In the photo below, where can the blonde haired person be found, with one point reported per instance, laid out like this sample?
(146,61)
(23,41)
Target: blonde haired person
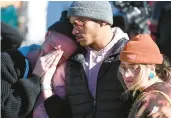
(144,71)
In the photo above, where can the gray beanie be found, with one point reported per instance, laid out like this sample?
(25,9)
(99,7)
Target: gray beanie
(97,10)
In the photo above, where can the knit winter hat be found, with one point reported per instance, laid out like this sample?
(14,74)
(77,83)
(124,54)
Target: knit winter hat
(141,49)
(63,26)
(97,10)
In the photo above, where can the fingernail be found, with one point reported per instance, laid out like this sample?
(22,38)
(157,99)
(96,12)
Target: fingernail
(60,51)
(59,46)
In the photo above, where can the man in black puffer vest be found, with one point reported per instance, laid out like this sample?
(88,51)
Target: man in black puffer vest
(90,83)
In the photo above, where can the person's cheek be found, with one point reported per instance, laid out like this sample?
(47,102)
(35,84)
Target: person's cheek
(137,73)
(47,49)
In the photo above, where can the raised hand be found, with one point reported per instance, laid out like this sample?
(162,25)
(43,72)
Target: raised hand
(47,76)
(50,60)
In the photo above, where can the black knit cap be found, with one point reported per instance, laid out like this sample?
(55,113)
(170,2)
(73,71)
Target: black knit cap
(63,26)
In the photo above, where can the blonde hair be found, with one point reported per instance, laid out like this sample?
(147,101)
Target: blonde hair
(163,71)
(141,75)
(139,79)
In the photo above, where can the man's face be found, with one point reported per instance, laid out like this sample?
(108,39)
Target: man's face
(53,39)
(86,30)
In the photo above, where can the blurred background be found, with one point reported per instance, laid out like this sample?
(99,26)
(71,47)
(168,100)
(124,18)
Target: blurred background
(32,18)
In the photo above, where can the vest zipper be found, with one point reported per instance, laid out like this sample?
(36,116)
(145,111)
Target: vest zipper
(93,109)
(97,84)
(94,103)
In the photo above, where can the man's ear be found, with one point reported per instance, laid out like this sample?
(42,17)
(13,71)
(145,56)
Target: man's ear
(102,23)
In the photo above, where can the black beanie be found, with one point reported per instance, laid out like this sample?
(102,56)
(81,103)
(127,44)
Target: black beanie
(63,26)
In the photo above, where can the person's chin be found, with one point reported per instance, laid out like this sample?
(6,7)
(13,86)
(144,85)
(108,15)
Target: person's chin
(82,43)
(78,39)
(129,85)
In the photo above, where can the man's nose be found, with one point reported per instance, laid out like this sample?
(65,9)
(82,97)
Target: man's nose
(75,31)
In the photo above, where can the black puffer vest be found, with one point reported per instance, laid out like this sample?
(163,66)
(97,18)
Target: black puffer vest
(108,93)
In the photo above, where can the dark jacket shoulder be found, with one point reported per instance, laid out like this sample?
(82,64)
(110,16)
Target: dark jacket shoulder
(18,95)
